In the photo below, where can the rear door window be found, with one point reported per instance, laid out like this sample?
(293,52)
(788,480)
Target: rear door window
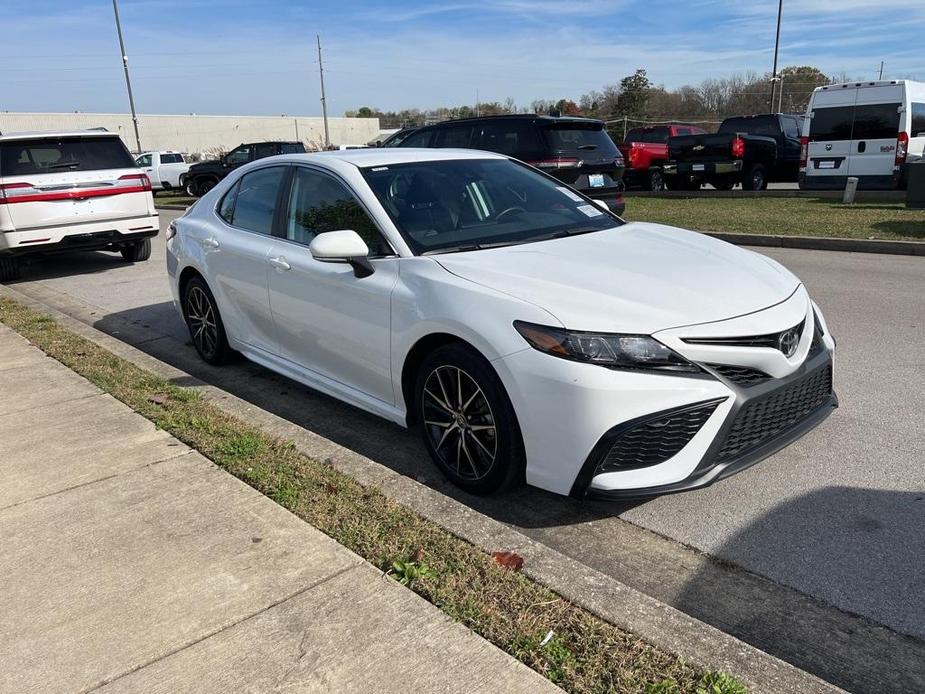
(255,202)
(421,138)
(454,136)
(876,121)
(265,149)
(518,139)
(292,148)
(831,124)
(58,155)
(791,127)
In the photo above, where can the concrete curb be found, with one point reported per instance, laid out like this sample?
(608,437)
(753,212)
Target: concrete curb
(822,243)
(647,618)
(860,196)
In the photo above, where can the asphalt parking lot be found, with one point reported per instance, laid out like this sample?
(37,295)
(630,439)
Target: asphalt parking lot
(836,522)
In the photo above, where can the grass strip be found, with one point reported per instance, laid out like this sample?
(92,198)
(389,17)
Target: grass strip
(570,646)
(173,198)
(783,216)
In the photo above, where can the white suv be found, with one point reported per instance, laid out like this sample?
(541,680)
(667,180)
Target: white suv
(65,191)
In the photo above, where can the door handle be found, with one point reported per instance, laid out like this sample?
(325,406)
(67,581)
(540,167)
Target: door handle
(209,243)
(279,263)
(862,147)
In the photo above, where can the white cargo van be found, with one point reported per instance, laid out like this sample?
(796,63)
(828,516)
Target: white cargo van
(66,191)
(866,129)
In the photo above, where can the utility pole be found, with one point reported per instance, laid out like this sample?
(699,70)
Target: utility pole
(128,81)
(780,11)
(881,71)
(324,104)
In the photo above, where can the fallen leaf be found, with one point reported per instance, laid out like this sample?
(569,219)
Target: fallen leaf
(508,560)
(159,399)
(418,554)
(330,488)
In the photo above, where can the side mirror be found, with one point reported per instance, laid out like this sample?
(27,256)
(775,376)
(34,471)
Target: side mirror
(602,204)
(344,246)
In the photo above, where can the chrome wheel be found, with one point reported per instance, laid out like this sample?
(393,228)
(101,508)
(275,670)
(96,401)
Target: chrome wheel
(200,316)
(459,422)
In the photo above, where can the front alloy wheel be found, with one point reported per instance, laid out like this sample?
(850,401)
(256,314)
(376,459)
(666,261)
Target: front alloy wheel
(468,422)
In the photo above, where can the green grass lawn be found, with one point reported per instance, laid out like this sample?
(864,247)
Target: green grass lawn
(173,197)
(783,216)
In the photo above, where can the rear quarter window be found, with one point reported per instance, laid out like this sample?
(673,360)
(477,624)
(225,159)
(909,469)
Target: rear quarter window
(516,139)
(57,155)
(171,159)
(917,129)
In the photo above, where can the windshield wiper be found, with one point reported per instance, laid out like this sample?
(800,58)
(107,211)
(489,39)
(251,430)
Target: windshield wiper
(463,247)
(64,165)
(587,147)
(574,231)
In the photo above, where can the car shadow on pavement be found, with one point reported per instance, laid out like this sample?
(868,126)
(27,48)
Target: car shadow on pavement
(157,330)
(861,549)
(42,267)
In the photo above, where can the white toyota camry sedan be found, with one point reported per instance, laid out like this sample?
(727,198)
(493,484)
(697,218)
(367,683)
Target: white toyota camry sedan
(526,332)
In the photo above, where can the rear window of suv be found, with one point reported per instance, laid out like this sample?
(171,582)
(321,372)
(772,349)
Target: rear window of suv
(55,155)
(580,139)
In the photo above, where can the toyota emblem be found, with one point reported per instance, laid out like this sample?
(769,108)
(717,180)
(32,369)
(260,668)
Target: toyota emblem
(788,342)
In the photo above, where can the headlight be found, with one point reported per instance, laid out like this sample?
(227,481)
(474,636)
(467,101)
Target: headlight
(611,350)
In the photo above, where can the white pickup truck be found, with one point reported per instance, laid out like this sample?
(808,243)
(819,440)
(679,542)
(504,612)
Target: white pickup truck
(163,168)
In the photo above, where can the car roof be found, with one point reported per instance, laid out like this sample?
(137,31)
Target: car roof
(518,116)
(34,134)
(389,156)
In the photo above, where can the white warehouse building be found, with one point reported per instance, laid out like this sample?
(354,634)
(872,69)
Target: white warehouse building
(201,134)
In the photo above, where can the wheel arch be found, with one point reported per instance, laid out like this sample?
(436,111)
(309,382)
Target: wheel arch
(413,359)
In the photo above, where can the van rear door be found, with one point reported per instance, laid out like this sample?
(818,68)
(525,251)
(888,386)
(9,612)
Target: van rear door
(65,180)
(831,117)
(876,125)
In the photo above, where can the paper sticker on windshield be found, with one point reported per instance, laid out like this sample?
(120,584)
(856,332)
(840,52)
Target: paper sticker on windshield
(574,196)
(590,210)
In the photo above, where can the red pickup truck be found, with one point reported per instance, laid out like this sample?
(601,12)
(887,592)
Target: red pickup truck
(646,150)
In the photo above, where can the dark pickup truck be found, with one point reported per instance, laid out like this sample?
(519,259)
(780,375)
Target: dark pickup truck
(202,177)
(751,150)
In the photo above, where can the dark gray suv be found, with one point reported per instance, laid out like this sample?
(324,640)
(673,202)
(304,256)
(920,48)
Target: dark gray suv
(577,151)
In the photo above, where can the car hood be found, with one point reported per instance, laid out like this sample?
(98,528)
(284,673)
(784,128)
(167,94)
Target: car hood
(636,278)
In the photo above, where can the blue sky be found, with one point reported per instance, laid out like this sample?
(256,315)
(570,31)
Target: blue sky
(257,56)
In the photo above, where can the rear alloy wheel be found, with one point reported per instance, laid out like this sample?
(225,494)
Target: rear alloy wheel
(656,180)
(468,422)
(9,269)
(137,252)
(757,178)
(204,323)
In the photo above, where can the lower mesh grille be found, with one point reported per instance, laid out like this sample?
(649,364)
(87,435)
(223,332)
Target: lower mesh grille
(656,440)
(764,418)
(740,375)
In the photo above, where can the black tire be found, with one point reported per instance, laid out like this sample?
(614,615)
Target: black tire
(137,252)
(9,269)
(656,180)
(469,425)
(206,185)
(756,178)
(192,188)
(205,323)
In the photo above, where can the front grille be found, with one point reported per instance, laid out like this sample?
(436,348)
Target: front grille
(740,375)
(764,418)
(657,439)
(771,340)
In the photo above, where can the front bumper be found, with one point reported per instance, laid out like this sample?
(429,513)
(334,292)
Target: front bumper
(571,414)
(718,463)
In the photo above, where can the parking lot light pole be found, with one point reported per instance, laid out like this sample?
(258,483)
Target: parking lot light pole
(324,104)
(128,81)
(780,10)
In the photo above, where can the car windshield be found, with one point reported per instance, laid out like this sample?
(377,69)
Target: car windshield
(469,204)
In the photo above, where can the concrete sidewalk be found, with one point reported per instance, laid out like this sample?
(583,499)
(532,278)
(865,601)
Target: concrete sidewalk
(130,563)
